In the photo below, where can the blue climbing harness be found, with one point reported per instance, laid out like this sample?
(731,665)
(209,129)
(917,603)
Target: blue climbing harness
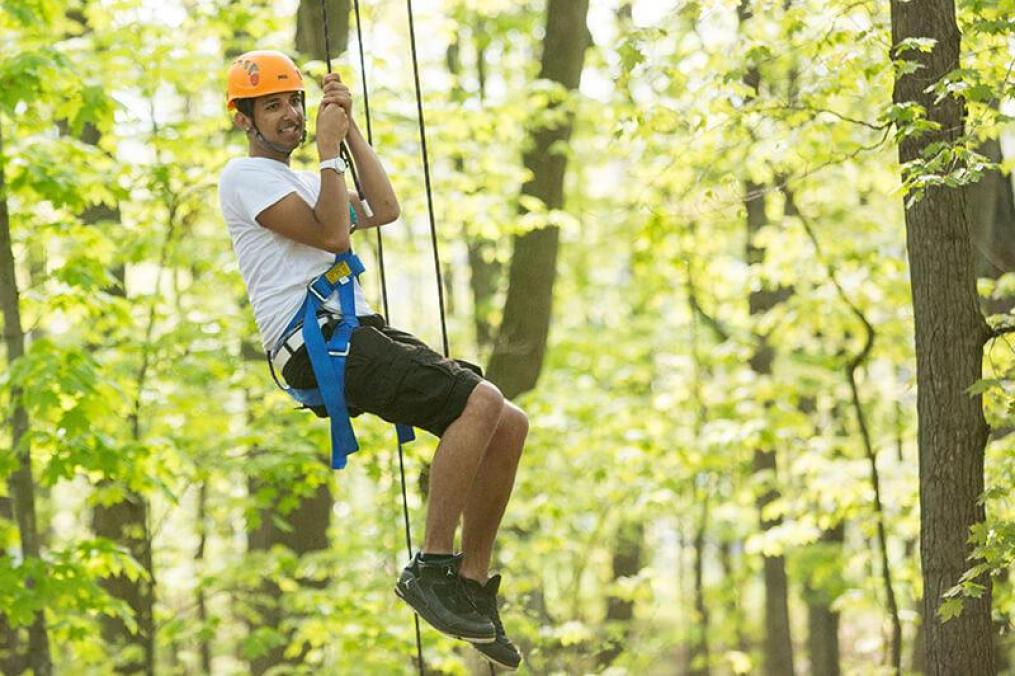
(327,358)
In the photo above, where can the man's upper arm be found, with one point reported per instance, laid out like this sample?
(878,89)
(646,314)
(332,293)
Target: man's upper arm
(292,217)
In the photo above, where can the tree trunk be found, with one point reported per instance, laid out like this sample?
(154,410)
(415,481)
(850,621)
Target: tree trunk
(518,352)
(778,643)
(202,606)
(699,657)
(822,621)
(620,611)
(12,657)
(990,209)
(126,523)
(484,268)
(308,533)
(310,28)
(21,484)
(729,592)
(950,333)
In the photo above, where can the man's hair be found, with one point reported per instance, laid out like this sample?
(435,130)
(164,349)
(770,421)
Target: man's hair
(245,106)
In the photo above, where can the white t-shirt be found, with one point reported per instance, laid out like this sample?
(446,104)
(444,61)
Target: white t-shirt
(276,269)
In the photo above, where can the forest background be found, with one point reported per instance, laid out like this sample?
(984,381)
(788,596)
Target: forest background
(732,465)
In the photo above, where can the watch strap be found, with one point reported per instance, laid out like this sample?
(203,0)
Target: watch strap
(336,163)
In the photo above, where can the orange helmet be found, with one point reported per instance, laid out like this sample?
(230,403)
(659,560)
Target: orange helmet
(262,72)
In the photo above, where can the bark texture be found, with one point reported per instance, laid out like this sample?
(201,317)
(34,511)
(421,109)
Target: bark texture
(20,483)
(950,333)
(520,346)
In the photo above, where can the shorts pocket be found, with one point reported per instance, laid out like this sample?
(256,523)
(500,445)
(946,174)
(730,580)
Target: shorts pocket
(371,371)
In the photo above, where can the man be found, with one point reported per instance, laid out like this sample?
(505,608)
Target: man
(286,226)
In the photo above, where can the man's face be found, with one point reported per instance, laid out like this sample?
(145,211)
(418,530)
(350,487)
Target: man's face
(279,117)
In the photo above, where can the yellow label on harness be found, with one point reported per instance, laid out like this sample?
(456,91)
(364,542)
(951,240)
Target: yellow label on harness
(337,272)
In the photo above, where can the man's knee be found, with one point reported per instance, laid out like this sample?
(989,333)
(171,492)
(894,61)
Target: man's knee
(514,420)
(486,401)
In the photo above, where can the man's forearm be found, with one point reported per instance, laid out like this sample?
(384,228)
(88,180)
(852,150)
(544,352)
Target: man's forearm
(372,176)
(332,208)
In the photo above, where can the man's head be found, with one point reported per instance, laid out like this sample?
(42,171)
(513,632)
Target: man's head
(265,88)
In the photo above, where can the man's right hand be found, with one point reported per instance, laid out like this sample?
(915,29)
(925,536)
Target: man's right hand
(332,126)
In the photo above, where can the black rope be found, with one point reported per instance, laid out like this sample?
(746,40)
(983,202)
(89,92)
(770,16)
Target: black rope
(344,147)
(380,265)
(426,177)
(370,140)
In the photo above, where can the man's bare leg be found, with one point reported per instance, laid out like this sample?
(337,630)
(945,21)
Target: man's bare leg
(455,464)
(490,492)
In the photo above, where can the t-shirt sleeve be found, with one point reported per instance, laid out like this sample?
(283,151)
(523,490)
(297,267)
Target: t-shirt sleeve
(252,189)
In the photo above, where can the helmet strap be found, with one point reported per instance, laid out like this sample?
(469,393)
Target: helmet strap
(278,148)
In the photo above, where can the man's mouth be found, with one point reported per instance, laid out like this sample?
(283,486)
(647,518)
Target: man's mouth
(290,129)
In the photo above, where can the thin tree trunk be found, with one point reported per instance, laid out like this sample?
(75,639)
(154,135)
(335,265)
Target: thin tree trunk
(731,594)
(484,269)
(21,484)
(699,657)
(202,608)
(852,366)
(822,620)
(12,657)
(778,643)
(820,595)
(950,334)
(307,533)
(990,209)
(126,522)
(518,352)
(627,555)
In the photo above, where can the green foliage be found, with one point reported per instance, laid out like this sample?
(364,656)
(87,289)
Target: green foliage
(137,378)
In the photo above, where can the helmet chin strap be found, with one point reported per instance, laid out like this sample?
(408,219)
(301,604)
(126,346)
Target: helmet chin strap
(277,147)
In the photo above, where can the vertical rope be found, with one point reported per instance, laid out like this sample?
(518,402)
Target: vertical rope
(380,264)
(426,177)
(343,148)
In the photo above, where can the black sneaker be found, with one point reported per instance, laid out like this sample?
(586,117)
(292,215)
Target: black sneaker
(501,651)
(435,591)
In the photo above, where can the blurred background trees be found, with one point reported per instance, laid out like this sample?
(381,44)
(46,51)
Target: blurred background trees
(755,347)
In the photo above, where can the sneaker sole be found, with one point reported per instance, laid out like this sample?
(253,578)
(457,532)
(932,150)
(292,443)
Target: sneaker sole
(493,660)
(439,626)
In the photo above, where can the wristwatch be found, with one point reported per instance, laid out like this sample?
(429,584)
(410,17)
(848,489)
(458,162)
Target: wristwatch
(336,163)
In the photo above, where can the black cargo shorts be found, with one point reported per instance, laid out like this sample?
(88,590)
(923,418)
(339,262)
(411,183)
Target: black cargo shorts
(395,376)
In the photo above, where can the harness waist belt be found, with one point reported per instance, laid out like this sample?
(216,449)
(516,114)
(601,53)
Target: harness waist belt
(292,341)
(327,357)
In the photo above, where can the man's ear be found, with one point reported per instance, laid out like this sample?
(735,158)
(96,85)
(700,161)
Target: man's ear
(242,121)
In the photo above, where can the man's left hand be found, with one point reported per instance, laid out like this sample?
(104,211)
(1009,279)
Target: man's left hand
(335,88)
